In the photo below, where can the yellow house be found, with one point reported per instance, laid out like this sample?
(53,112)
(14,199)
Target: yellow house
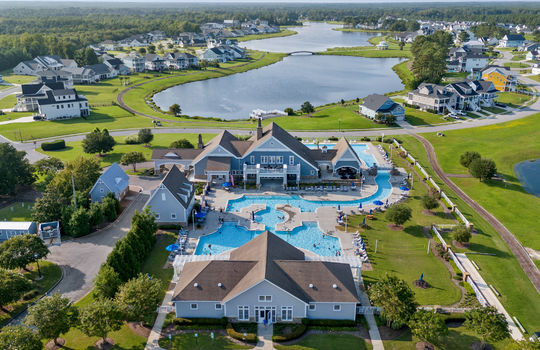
(502,78)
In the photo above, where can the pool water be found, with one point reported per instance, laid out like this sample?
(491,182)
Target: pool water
(230,236)
(383,191)
(362,151)
(270,217)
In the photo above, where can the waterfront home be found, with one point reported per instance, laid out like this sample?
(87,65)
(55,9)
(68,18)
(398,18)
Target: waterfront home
(266,279)
(379,105)
(27,100)
(82,75)
(103,71)
(215,54)
(117,65)
(512,40)
(431,97)
(134,62)
(270,154)
(180,60)
(172,201)
(56,76)
(154,62)
(63,104)
(114,180)
(10,229)
(501,77)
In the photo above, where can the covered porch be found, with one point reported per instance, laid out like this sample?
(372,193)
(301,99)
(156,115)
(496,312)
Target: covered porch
(272,171)
(218,168)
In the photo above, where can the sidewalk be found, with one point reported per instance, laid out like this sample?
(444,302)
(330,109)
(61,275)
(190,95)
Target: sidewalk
(265,337)
(155,334)
(368,314)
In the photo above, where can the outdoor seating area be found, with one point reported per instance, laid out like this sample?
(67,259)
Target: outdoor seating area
(360,247)
(385,156)
(179,247)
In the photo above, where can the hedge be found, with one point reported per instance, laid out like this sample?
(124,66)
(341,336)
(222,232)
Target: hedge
(297,331)
(456,270)
(329,323)
(250,337)
(200,321)
(53,145)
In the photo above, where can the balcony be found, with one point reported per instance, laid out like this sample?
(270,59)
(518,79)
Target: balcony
(271,169)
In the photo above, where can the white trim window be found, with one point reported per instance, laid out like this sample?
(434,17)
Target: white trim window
(264,159)
(272,159)
(265,298)
(173,216)
(337,307)
(243,313)
(193,306)
(251,159)
(219,306)
(312,307)
(286,313)
(291,160)
(279,159)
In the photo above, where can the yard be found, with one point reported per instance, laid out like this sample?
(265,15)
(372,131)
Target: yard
(513,99)
(18,79)
(8,102)
(13,115)
(518,295)
(20,211)
(203,341)
(327,341)
(417,117)
(516,65)
(371,51)
(281,33)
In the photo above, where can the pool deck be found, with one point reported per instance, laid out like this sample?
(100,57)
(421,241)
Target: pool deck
(326,217)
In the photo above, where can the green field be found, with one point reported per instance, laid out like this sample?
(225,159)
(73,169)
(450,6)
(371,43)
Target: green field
(535,77)
(513,99)
(518,295)
(328,118)
(371,50)
(282,33)
(516,65)
(13,115)
(404,73)
(8,102)
(20,211)
(51,274)
(187,341)
(417,117)
(327,342)
(494,109)
(18,79)
(74,149)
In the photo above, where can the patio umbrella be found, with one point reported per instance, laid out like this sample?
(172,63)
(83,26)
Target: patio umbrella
(387,202)
(378,203)
(360,206)
(200,214)
(364,221)
(226,184)
(172,247)
(370,211)
(404,188)
(339,207)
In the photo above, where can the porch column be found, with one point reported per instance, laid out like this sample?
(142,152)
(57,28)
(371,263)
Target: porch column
(258,170)
(284,174)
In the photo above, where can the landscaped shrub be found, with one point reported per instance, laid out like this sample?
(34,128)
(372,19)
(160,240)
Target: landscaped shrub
(331,323)
(296,331)
(53,145)
(443,253)
(457,271)
(31,294)
(186,322)
(250,337)
(333,138)
(132,140)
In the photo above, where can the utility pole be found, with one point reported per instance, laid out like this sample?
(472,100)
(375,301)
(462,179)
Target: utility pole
(74,193)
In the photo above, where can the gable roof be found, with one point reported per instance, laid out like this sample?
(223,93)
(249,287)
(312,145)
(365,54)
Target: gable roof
(224,139)
(176,153)
(51,100)
(114,178)
(100,68)
(177,183)
(266,258)
(375,101)
(514,37)
(341,147)
(32,89)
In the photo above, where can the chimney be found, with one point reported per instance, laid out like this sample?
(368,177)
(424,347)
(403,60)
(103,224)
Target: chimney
(259,129)
(200,144)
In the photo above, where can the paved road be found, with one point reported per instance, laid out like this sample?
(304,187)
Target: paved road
(12,90)
(517,249)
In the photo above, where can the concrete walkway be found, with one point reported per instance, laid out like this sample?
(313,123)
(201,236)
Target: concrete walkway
(265,334)
(374,334)
(155,334)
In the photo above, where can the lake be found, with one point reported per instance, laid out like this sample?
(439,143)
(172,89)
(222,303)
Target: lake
(290,82)
(527,173)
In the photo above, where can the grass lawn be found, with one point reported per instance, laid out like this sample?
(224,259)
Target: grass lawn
(18,79)
(404,73)
(494,109)
(403,253)
(418,117)
(281,33)
(20,211)
(328,118)
(518,295)
(371,50)
(457,338)
(14,115)
(518,57)
(472,115)
(188,341)
(513,99)
(535,77)
(327,342)
(8,102)
(516,65)
(74,149)
(51,274)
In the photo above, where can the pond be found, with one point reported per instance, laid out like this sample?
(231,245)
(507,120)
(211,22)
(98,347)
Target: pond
(527,173)
(290,82)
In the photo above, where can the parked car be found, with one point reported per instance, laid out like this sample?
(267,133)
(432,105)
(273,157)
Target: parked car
(38,117)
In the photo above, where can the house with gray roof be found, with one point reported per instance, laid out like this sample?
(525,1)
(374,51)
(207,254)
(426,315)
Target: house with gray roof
(10,229)
(114,180)
(63,104)
(512,40)
(172,201)
(379,105)
(102,71)
(270,154)
(266,279)
(431,97)
(27,100)
(40,63)
(154,62)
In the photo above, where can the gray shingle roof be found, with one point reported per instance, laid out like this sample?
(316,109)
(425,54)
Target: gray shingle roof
(177,183)
(374,101)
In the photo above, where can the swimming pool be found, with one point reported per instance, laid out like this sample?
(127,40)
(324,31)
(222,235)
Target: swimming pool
(230,236)
(362,150)
(383,191)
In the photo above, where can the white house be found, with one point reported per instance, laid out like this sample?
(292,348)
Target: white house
(134,62)
(40,63)
(512,40)
(154,62)
(536,69)
(63,104)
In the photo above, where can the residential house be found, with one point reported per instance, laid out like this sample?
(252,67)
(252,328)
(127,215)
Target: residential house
(535,69)
(83,75)
(154,62)
(113,180)
(266,279)
(102,71)
(62,104)
(38,64)
(271,153)
(109,45)
(56,76)
(431,97)
(231,23)
(156,35)
(464,59)
(27,100)
(134,62)
(474,44)
(214,54)
(533,55)
(466,96)
(528,47)
(10,229)
(172,201)
(501,77)
(376,105)
(512,40)
(117,65)
(486,91)
(175,60)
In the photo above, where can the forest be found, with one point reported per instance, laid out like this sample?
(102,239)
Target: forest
(30,29)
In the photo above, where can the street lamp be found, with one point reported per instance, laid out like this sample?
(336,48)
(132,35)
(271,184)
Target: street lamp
(37,262)
(193,219)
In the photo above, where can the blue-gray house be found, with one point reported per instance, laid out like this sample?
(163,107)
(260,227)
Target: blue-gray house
(10,229)
(114,180)
(271,153)
(376,104)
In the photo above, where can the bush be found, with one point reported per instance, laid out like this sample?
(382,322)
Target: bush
(296,331)
(289,111)
(250,337)
(200,321)
(132,140)
(79,224)
(333,138)
(109,207)
(331,323)
(53,145)
(30,295)
(443,253)
(461,234)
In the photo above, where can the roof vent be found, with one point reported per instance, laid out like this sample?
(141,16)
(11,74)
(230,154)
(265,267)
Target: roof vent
(219,284)
(195,285)
(334,286)
(311,285)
